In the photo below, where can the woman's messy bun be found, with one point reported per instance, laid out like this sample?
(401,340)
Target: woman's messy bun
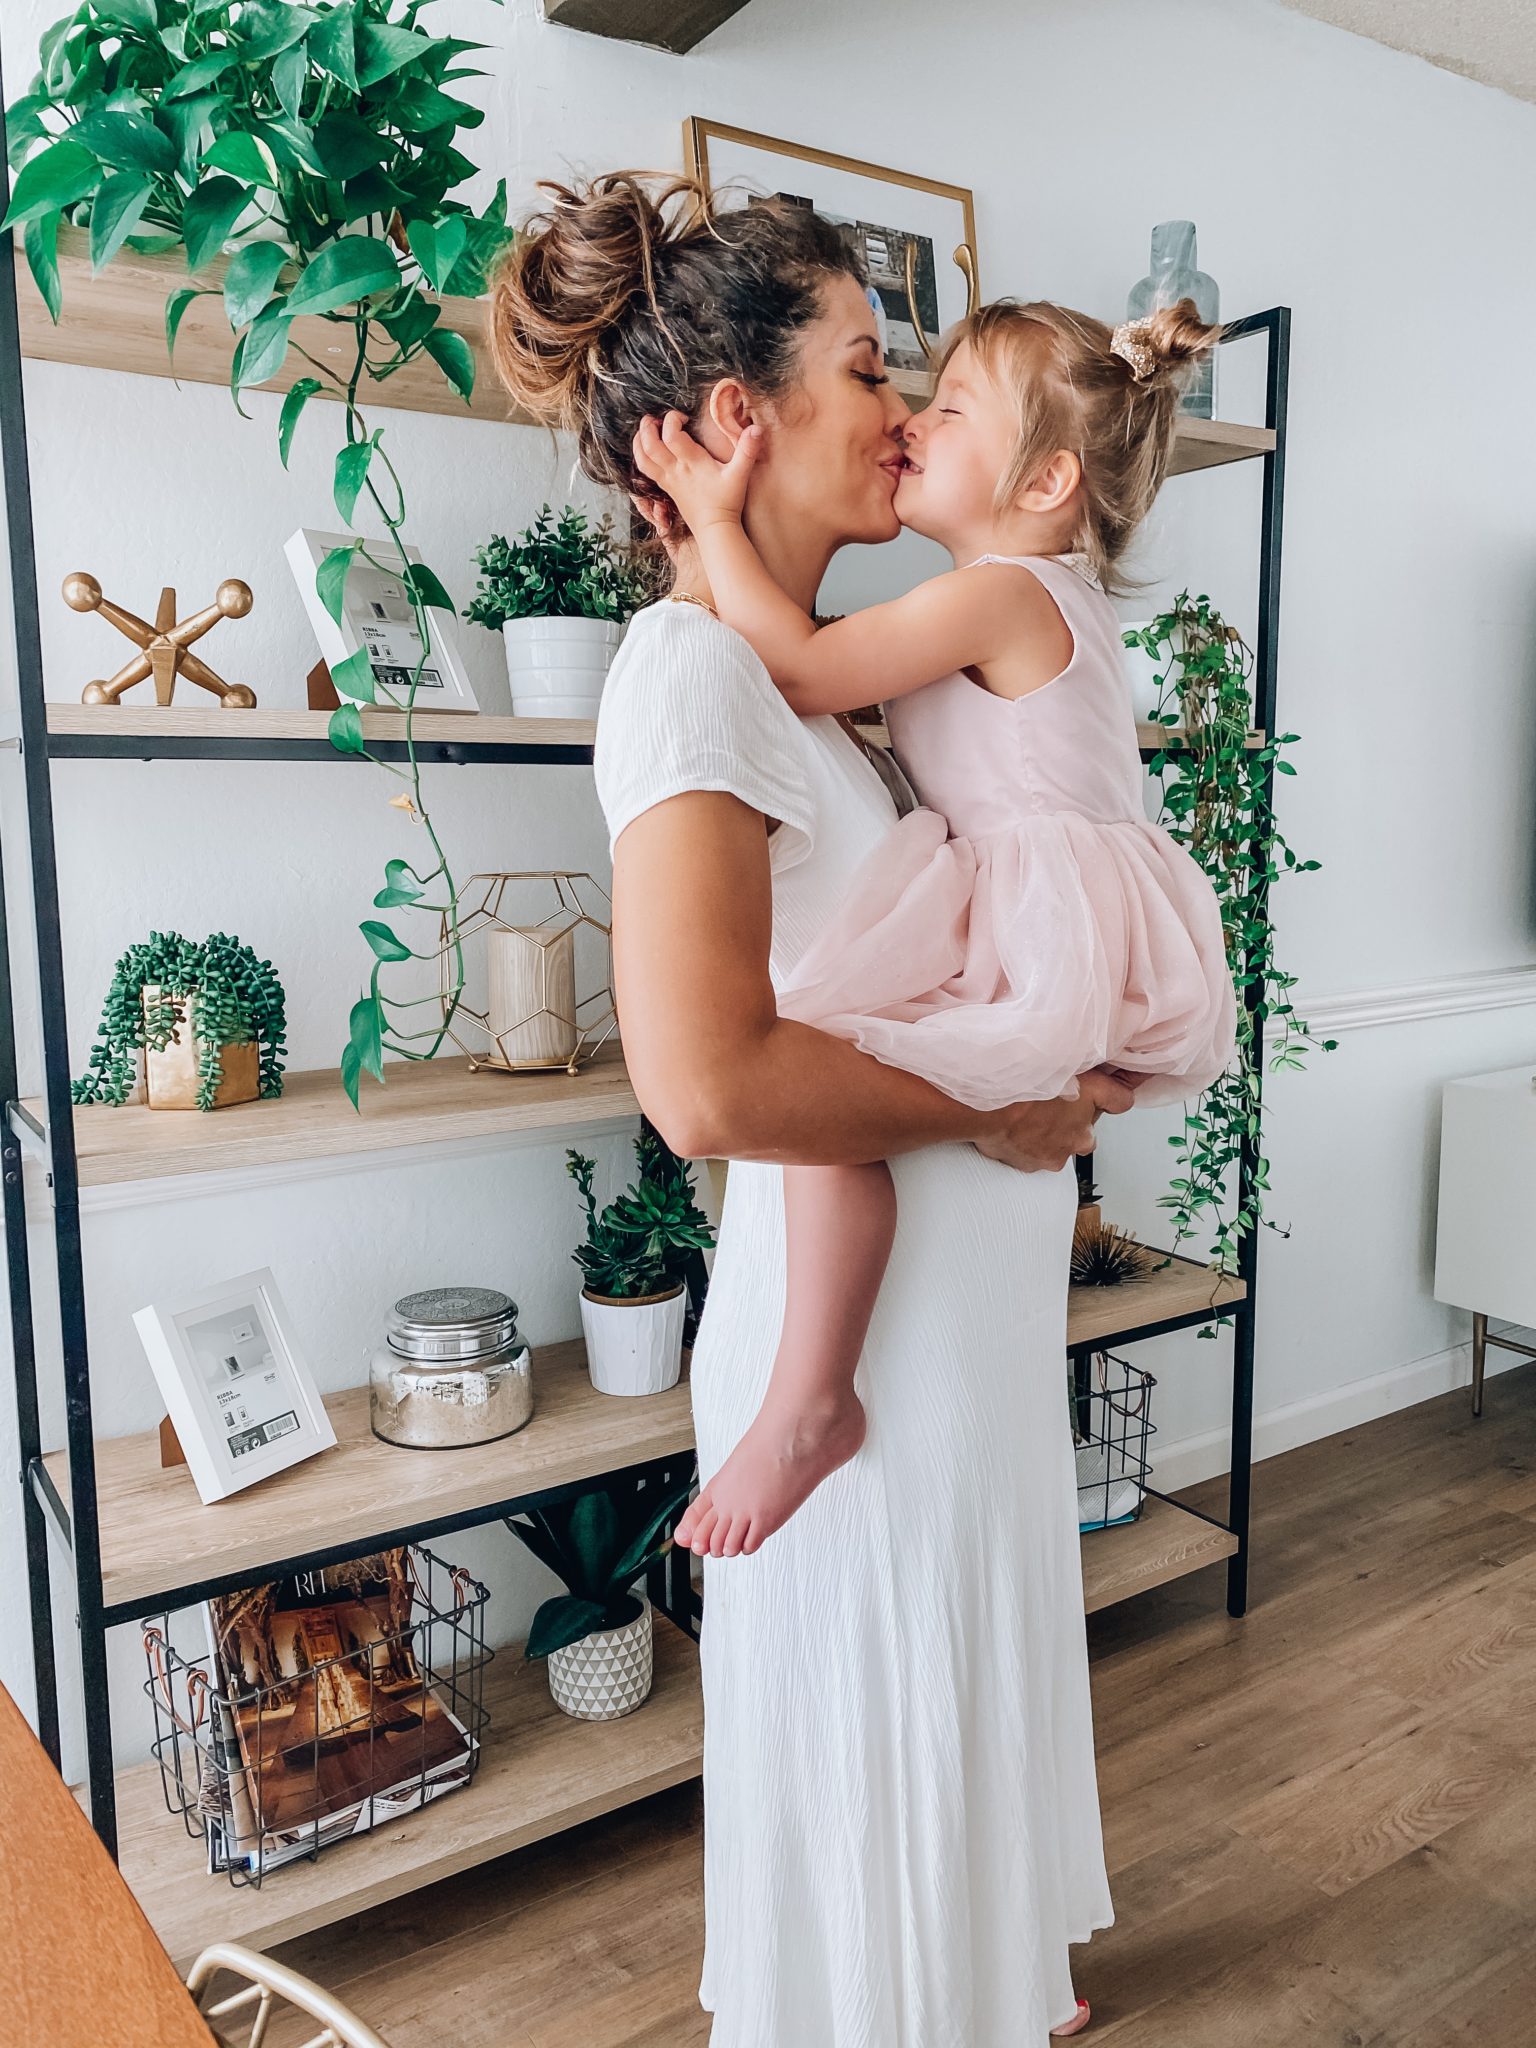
(630,294)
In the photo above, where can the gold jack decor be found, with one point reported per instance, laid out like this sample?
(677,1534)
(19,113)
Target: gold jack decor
(533,1019)
(164,645)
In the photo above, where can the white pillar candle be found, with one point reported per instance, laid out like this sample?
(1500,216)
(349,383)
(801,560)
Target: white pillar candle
(532,1000)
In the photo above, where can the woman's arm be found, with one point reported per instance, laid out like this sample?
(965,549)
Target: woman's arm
(718,1071)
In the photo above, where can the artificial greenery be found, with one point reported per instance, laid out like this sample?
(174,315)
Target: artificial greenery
(238,1000)
(557,568)
(1215,802)
(316,145)
(652,1237)
(598,1548)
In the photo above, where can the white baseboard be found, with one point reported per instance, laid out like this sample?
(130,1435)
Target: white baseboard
(1206,1456)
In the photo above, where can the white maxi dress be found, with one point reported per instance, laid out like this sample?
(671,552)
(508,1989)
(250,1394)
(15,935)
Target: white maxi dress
(901,1822)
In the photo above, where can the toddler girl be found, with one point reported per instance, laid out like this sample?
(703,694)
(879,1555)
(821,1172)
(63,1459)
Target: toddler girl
(1028,922)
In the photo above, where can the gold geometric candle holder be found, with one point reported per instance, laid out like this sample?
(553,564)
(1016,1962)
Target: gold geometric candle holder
(529,927)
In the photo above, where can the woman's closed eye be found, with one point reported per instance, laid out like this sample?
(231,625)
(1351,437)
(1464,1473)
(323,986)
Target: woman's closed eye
(868,377)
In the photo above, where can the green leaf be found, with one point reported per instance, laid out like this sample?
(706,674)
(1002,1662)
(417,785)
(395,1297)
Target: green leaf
(343,272)
(303,390)
(351,1072)
(291,143)
(382,49)
(351,474)
(345,731)
(561,1622)
(383,940)
(244,156)
(427,587)
(397,890)
(56,177)
(346,145)
(454,357)
(127,13)
(438,249)
(175,306)
(331,578)
(209,215)
(199,74)
(115,211)
(40,238)
(332,46)
(263,348)
(251,280)
(353,677)
(267,31)
(366,1025)
(288,74)
(126,139)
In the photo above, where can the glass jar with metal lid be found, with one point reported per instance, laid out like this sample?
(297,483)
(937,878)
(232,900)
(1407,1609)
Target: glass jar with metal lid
(452,1370)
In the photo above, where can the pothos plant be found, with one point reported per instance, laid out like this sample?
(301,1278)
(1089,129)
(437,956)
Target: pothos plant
(238,1000)
(1215,803)
(314,146)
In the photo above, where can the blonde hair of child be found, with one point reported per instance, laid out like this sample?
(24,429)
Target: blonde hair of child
(1117,412)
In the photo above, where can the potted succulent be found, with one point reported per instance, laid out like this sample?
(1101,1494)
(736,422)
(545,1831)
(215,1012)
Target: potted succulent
(560,595)
(187,1025)
(636,1262)
(597,1634)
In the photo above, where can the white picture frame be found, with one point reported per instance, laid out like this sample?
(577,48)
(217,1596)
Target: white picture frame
(376,613)
(235,1383)
(882,212)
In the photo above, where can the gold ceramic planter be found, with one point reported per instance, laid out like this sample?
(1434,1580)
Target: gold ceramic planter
(171,1074)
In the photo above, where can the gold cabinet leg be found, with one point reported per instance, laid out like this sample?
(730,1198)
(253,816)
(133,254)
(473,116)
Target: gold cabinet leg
(1479,1360)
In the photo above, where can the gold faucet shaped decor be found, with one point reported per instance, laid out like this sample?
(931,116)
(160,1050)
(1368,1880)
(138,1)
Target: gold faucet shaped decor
(165,644)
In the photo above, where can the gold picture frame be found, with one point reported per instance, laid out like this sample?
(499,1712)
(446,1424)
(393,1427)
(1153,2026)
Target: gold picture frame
(918,295)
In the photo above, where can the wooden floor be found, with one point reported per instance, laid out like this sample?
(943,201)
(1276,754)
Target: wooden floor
(1320,1821)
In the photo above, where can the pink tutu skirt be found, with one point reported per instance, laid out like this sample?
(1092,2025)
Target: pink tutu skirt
(1001,968)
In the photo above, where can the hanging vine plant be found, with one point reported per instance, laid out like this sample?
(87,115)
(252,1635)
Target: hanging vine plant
(316,147)
(1215,803)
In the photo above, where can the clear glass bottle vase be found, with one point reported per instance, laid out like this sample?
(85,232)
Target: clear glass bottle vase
(1175,274)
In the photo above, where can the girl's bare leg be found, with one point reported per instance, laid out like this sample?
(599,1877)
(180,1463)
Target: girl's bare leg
(839,1222)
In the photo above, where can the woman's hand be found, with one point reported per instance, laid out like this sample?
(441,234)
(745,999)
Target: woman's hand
(1040,1137)
(704,491)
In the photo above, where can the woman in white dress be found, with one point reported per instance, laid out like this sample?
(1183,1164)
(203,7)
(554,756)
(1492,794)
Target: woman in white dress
(901,1830)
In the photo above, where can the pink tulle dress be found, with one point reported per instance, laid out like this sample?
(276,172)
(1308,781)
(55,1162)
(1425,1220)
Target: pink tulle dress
(1028,922)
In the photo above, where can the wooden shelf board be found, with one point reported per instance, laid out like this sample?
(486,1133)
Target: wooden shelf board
(540,1772)
(1104,1315)
(1164,1543)
(423,1102)
(156,1534)
(191,721)
(116,321)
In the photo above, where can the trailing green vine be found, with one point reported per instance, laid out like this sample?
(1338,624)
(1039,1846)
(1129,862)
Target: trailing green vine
(237,1000)
(1215,803)
(316,145)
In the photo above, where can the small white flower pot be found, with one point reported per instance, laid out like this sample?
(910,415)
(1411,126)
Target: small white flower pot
(607,1675)
(634,1347)
(559,663)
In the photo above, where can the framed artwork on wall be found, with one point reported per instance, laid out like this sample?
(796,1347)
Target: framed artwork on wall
(239,1392)
(376,613)
(917,236)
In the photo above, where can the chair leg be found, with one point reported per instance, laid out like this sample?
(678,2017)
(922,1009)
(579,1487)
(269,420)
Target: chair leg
(1479,1360)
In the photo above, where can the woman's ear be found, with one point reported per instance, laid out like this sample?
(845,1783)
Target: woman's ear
(727,413)
(1054,483)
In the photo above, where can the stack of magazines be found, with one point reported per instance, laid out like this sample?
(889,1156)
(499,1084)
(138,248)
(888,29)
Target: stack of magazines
(323,1723)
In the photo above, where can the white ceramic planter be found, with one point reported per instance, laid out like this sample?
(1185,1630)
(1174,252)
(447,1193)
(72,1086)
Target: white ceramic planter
(634,1347)
(607,1675)
(557,667)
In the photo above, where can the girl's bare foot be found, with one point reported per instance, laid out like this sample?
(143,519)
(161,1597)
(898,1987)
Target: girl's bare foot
(782,1459)
(1076,2024)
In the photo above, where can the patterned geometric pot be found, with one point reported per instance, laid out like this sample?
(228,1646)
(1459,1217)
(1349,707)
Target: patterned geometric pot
(604,1676)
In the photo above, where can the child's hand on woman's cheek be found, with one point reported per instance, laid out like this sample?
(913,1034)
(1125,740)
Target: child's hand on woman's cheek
(703,490)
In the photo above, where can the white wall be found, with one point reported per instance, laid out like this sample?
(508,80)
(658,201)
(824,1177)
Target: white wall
(1387,202)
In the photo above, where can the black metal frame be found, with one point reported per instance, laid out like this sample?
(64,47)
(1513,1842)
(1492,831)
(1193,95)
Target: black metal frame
(75,1523)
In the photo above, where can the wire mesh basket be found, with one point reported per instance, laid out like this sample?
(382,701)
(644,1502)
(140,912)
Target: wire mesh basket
(1112,1426)
(319,1706)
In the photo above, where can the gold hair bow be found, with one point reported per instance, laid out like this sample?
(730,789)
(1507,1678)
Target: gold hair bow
(1131,342)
